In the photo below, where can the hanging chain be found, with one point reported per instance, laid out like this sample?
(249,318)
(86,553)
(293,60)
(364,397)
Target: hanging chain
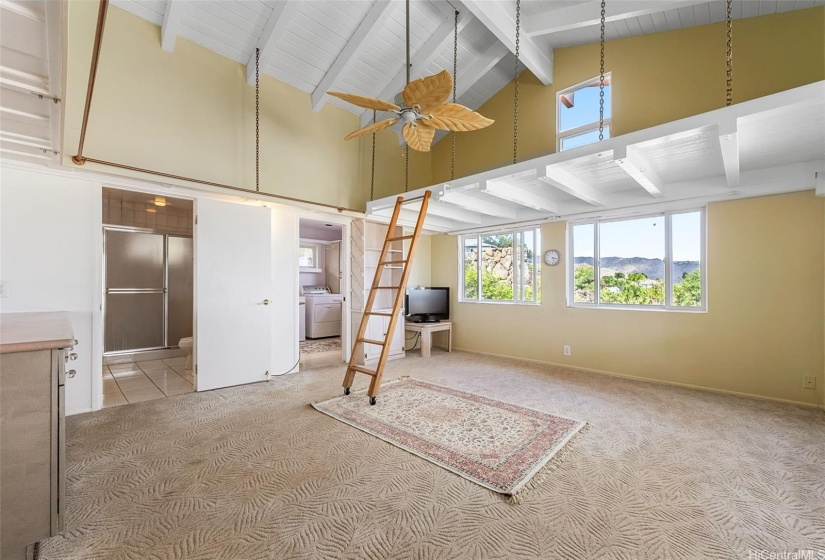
(515,95)
(729,20)
(406,167)
(258,120)
(601,77)
(455,76)
(372,173)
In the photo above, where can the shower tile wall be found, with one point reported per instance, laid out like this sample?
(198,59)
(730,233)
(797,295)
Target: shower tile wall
(164,219)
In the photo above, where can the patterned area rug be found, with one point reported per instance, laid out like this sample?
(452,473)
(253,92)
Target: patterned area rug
(320,345)
(492,443)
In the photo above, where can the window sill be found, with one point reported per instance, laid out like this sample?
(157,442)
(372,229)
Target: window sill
(494,302)
(691,310)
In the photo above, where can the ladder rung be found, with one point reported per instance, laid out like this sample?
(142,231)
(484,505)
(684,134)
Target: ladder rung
(385,263)
(400,238)
(382,314)
(371,341)
(363,370)
(387,287)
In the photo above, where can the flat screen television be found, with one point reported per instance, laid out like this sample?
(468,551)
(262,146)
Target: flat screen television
(427,305)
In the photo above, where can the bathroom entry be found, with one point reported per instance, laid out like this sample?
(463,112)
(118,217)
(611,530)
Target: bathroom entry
(321,301)
(148,296)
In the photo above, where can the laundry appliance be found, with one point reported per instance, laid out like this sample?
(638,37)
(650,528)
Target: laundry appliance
(323,311)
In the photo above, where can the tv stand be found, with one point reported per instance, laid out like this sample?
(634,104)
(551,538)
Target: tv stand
(427,329)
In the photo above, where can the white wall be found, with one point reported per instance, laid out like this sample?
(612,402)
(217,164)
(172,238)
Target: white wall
(48,224)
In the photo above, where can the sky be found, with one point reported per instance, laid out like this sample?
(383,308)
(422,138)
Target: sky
(644,237)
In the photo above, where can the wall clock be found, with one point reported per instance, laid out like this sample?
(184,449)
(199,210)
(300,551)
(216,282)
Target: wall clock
(552,257)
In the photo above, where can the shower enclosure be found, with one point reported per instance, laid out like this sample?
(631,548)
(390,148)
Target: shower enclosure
(148,296)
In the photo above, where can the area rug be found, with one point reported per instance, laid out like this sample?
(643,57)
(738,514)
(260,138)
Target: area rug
(320,345)
(498,445)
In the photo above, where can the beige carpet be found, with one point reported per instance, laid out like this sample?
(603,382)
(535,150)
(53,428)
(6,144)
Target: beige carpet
(255,472)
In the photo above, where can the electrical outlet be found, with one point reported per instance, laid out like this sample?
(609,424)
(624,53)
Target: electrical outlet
(809,382)
(4,289)
(567,351)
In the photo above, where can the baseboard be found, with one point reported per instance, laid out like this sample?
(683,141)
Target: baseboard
(82,411)
(648,379)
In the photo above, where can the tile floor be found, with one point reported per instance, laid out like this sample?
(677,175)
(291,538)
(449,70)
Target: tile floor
(129,382)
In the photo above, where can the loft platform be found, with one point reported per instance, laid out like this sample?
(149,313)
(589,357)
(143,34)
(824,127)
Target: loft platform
(770,145)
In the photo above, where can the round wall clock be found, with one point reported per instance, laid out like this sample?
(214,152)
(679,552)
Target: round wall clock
(552,257)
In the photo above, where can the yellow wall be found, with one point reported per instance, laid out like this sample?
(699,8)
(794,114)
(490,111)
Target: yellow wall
(657,78)
(763,330)
(191,113)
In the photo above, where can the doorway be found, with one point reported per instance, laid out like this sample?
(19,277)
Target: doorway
(147,296)
(321,304)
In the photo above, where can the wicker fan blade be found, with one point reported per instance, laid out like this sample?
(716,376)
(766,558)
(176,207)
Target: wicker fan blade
(418,137)
(365,102)
(374,127)
(455,117)
(430,92)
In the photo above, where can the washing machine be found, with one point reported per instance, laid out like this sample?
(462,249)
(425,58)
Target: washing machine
(323,311)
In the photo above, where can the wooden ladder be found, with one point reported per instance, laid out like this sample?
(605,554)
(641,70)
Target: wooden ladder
(398,301)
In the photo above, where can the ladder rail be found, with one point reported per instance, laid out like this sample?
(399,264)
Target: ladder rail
(360,338)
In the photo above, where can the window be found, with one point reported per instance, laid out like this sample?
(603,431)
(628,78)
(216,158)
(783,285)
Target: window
(577,114)
(502,267)
(654,262)
(308,258)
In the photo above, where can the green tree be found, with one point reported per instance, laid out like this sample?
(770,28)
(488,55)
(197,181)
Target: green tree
(470,280)
(500,241)
(688,292)
(583,278)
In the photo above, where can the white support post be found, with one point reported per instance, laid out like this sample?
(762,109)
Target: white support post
(635,165)
(275,26)
(171,24)
(375,18)
(499,18)
(574,186)
(729,144)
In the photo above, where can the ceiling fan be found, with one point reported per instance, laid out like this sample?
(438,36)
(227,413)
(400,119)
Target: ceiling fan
(422,110)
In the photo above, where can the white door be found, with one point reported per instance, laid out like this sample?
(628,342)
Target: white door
(233,288)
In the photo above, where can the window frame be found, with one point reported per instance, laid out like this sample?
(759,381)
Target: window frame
(608,121)
(518,283)
(668,262)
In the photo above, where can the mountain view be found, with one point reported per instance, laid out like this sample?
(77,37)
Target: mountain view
(652,268)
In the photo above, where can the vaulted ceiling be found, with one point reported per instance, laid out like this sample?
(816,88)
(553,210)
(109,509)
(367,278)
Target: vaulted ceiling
(358,46)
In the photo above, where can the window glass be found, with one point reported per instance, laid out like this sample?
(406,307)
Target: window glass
(470,267)
(584,138)
(529,269)
(584,288)
(686,238)
(497,267)
(631,261)
(580,107)
(306,256)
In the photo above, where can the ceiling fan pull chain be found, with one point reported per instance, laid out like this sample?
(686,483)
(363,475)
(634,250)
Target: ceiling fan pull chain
(601,76)
(455,78)
(729,73)
(257,120)
(515,96)
(372,172)
(406,167)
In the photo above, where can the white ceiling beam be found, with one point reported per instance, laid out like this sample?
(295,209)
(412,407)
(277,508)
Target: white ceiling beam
(573,186)
(588,14)
(477,205)
(729,144)
(634,164)
(420,60)
(468,77)
(172,18)
(375,18)
(500,20)
(446,210)
(514,193)
(276,24)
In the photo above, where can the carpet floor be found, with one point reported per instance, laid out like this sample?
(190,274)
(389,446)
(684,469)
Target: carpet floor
(254,472)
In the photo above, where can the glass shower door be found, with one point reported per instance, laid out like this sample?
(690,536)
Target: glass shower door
(135,304)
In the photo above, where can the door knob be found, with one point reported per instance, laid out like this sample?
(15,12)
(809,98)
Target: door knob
(71,373)
(265,302)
